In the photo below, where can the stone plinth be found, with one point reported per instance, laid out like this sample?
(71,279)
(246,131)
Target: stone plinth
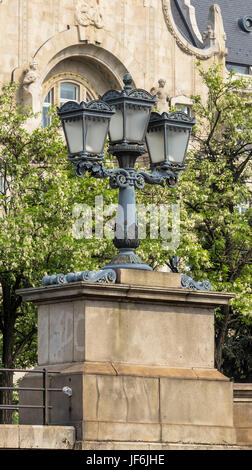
(139,358)
(36,437)
(243,413)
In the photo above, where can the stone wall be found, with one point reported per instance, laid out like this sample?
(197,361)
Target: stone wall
(36,437)
(93,43)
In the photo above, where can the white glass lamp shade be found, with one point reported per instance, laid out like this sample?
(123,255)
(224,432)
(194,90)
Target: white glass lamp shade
(85,126)
(95,135)
(155,144)
(168,137)
(116,126)
(137,118)
(132,113)
(74,135)
(177,141)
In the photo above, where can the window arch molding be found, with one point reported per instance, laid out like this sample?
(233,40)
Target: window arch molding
(71,77)
(54,92)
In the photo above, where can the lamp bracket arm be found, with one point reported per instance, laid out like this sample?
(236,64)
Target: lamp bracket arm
(121,177)
(118,177)
(160,176)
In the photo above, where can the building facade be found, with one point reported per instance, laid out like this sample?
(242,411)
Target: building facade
(78,49)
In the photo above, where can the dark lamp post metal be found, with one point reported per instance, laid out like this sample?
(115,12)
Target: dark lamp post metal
(127,118)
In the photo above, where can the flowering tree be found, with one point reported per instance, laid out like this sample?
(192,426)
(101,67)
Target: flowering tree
(37,195)
(39,191)
(216,196)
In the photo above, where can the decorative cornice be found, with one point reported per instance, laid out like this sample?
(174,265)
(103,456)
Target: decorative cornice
(122,292)
(180,41)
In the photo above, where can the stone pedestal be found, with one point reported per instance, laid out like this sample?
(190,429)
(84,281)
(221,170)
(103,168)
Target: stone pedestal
(243,413)
(139,357)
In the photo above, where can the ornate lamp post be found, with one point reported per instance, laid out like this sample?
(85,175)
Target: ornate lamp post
(127,118)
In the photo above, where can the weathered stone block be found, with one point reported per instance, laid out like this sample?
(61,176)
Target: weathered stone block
(149,334)
(61,332)
(9,436)
(189,434)
(201,402)
(46,437)
(109,431)
(243,414)
(125,399)
(140,277)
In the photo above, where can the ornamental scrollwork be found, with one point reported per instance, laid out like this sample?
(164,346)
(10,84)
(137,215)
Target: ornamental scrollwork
(174,115)
(180,116)
(98,104)
(121,178)
(139,93)
(103,276)
(94,104)
(188,283)
(182,44)
(71,106)
(111,94)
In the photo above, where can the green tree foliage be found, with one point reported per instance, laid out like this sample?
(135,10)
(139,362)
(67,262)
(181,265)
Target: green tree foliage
(38,193)
(215,193)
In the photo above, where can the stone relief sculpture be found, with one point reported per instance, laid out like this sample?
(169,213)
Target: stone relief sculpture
(30,76)
(215,36)
(32,88)
(88,13)
(163,99)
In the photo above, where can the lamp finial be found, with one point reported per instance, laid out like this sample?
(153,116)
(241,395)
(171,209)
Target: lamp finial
(127,80)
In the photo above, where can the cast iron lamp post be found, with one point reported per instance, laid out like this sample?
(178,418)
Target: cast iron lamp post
(126,117)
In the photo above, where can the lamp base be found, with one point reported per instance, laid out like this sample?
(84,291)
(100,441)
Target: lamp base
(127,259)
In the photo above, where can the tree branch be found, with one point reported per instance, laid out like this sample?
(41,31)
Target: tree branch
(20,346)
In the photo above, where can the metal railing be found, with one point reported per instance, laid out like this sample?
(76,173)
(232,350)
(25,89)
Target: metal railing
(45,389)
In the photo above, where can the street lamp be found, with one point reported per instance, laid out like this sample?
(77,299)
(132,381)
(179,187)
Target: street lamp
(127,118)
(167,138)
(85,127)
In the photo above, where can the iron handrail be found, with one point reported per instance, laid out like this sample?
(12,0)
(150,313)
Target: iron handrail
(45,389)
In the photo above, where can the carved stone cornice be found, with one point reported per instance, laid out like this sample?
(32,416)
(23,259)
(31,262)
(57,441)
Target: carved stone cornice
(184,45)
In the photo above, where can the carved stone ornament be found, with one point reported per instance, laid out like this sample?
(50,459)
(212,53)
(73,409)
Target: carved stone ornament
(88,13)
(30,75)
(181,42)
(163,99)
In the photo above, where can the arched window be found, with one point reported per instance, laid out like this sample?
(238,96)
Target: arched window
(60,93)
(69,92)
(46,120)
